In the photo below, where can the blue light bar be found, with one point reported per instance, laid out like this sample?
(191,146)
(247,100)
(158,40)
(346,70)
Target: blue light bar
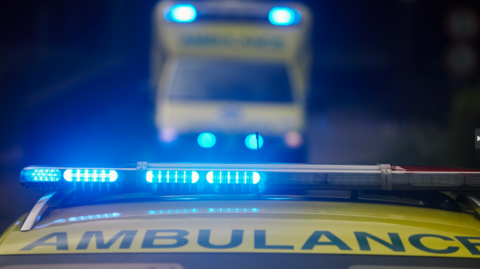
(162,176)
(283,16)
(43,175)
(206,140)
(251,141)
(90,175)
(242,178)
(183,13)
(227,177)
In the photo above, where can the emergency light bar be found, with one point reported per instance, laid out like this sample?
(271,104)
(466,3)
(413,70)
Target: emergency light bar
(271,176)
(71,176)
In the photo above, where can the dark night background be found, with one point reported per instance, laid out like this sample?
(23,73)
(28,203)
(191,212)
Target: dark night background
(392,82)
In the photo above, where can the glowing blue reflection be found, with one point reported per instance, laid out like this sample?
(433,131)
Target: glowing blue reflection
(282,16)
(232,210)
(227,177)
(182,13)
(98,216)
(43,175)
(48,224)
(162,176)
(45,197)
(80,218)
(206,140)
(90,175)
(251,141)
(172,211)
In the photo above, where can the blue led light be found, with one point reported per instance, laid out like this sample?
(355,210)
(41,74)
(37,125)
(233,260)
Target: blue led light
(227,177)
(206,140)
(251,141)
(162,176)
(182,13)
(282,16)
(43,175)
(90,175)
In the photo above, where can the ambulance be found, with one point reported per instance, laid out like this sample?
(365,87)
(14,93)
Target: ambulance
(198,215)
(225,70)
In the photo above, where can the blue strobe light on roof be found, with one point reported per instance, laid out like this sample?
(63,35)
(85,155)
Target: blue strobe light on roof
(282,16)
(251,141)
(90,175)
(206,140)
(43,175)
(235,177)
(182,13)
(165,176)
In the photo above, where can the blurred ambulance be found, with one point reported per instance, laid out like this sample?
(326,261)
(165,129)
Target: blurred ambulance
(224,71)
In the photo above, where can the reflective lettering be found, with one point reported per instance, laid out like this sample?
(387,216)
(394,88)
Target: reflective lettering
(126,242)
(262,43)
(261,241)
(211,41)
(472,247)
(235,240)
(61,242)
(151,236)
(415,240)
(313,241)
(396,245)
(206,41)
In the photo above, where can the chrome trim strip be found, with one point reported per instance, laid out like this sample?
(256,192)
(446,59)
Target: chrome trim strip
(299,168)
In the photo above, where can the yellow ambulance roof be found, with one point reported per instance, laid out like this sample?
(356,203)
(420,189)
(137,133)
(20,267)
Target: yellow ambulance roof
(249,226)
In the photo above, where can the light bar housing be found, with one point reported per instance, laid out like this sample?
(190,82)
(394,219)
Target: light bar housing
(266,176)
(77,177)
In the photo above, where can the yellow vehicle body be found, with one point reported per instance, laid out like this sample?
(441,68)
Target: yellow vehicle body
(249,226)
(230,41)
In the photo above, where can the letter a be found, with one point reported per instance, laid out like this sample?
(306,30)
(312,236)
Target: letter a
(312,241)
(61,243)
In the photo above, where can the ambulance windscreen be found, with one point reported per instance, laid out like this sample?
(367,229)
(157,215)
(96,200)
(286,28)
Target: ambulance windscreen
(231,80)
